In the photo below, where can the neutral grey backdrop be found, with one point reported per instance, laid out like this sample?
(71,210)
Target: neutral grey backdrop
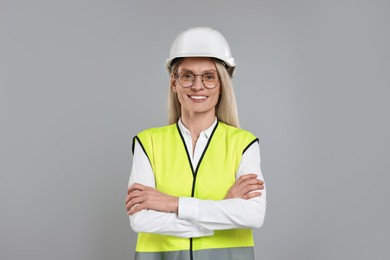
(80,78)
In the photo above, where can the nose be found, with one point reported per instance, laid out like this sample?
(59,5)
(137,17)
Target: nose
(198,83)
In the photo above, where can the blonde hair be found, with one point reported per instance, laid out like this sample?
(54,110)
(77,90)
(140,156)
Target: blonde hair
(226,108)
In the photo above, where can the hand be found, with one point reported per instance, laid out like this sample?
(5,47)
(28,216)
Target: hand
(245,187)
(141,197)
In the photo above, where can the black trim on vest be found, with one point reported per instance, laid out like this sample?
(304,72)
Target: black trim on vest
(185,148)
(201,158)
(191,253)
(133,145)
(254,141)
(140,143)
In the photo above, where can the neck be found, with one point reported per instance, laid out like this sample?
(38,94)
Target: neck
(197,123)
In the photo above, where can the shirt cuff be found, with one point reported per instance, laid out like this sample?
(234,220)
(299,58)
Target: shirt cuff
(188,208)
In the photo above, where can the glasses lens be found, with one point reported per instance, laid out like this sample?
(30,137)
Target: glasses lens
(186,79)
(210,80)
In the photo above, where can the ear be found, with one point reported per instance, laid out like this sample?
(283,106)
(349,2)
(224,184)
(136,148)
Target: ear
(173,83)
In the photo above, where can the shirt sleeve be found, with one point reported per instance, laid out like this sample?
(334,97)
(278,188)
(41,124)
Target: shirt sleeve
(229,213)
(151,221)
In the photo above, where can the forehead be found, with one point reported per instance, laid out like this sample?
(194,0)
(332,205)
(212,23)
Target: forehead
(197,64)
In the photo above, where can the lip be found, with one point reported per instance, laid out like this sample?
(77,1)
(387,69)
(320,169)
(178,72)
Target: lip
(197,98)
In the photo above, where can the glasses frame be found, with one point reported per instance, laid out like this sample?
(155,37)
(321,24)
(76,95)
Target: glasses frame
(197,75)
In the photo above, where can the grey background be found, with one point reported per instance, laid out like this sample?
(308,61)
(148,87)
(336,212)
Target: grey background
(80,78)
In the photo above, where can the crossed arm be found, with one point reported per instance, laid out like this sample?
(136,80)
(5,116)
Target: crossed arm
(153,211)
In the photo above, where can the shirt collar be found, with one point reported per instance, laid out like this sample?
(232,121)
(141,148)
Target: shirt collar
(206,133)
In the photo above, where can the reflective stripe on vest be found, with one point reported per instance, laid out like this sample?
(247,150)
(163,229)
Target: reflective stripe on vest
(214,175)
(238,253)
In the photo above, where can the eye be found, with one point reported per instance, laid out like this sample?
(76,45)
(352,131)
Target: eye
(209,77)
(186,76)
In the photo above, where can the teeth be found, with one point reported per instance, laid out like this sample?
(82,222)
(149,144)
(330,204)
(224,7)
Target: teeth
(198,97)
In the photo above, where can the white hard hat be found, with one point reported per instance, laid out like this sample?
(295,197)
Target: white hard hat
(201,42)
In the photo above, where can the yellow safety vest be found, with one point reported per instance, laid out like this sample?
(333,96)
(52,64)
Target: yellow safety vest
(214,175)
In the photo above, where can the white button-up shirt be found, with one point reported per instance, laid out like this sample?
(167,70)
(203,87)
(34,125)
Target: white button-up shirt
(196,217)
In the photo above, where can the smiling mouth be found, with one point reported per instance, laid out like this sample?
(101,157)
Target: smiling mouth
(197,98)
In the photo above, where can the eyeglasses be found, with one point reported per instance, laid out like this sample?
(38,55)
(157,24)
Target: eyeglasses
(187,79)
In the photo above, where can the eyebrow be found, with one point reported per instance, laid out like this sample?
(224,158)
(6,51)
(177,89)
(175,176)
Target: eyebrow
(205,71)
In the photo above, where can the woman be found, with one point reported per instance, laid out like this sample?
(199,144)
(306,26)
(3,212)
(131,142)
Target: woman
(196,189)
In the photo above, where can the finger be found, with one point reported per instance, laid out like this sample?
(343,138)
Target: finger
(246,189)
(134,201)
(130,196)
(257,182)
(247,176)
(235,190)
(127,199)
(136,186)
(133,210)
(244,184)
(253,182)
(134,194)
(251,176)
(251,195)
(137,208)
(250,188)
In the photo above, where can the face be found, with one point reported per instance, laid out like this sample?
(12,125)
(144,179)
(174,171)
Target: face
(197,98)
